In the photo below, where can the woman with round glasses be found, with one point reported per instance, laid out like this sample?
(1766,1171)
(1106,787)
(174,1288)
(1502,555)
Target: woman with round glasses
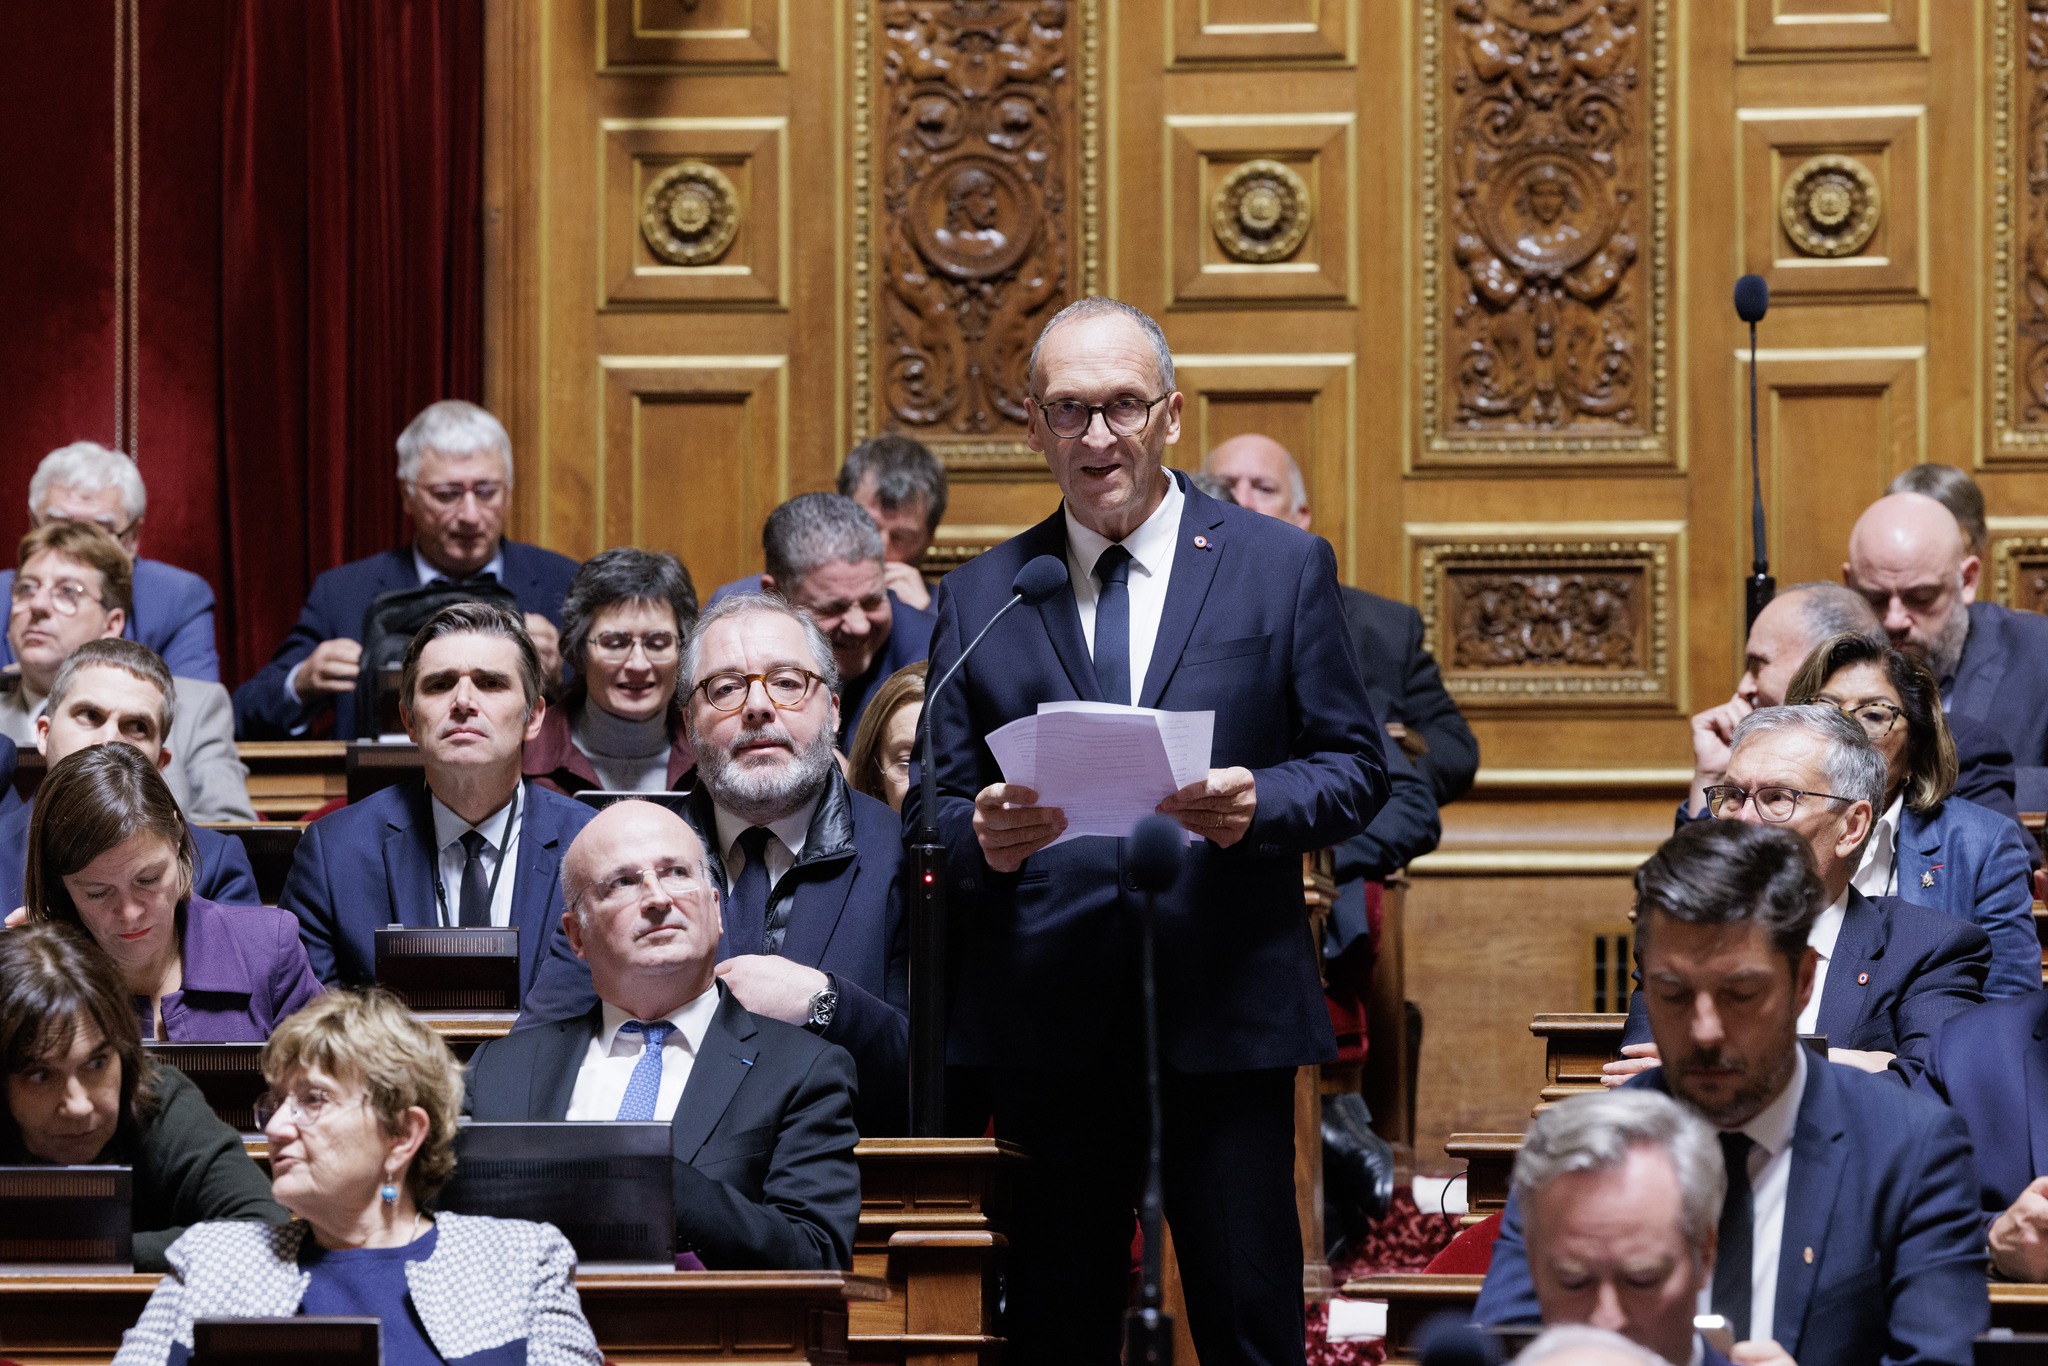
(1928,846)
(620,728)
(81,1091)
(360,1118)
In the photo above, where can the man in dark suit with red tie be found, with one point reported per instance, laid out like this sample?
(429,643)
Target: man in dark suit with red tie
(1183,603)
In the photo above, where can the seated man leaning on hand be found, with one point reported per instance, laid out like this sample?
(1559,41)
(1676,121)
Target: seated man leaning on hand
(1888,971)
(1990,1065)
(75,584)
(761,1111)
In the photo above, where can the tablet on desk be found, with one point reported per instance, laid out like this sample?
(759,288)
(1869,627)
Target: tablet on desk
(67,1218)
(473,968)
(609,1187)
(313,1340)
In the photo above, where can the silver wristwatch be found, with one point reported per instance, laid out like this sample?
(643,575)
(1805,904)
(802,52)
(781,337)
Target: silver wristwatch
(824,1006)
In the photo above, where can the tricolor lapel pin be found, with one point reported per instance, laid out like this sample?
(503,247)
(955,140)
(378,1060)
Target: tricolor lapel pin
(1862,979)
(1201,542)
(1809,1256)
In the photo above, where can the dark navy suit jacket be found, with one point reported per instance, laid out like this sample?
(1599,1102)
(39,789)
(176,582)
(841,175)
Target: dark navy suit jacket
(1898,971)
(173,615)
(1252,628)
(225,875)
(1883,1196)
(1969,863)
(763,1136)
(910,640)
(845,917)
(1405,686)
(1990,1065)
(371,864)
(2002,679)
(334,609)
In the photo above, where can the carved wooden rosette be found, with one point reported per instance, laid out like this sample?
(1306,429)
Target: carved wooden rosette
(2018,564)
(1544,232)
(2019,304)
(1515,622)
(974,216)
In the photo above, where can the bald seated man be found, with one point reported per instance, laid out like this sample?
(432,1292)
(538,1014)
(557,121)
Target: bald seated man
(761,1111)
(1913,562)
(1386,636)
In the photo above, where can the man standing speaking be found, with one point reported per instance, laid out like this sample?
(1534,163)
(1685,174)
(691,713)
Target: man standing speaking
(1180,602)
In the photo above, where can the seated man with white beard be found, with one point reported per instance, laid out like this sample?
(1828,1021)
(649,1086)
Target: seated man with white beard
(810,870)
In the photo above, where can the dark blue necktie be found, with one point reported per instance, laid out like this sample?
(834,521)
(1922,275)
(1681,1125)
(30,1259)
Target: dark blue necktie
(1738,1235)
(643,1088)
(1113,624)
(746,919)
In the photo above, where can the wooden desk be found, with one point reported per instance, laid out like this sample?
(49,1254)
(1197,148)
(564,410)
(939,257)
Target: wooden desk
(1489,1170)
(373,766)
(783,1317)
(1574,1049)
(288,778)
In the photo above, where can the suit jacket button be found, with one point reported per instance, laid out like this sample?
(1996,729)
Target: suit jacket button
(1131,884)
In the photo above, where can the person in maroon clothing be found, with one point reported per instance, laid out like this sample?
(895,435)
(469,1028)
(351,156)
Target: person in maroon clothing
(110,852)
(620,728)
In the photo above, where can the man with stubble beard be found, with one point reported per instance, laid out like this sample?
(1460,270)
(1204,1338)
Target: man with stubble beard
(809,869)
(1849,1235)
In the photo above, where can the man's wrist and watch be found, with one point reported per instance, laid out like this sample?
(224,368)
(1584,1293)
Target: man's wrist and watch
(824,1005)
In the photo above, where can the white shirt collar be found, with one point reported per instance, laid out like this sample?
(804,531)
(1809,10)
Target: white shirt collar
(1827,928)
(692,1020)
(449,827)
(791,829)
(424,567)
(1772,1127)
(1151,545)
(1873,875)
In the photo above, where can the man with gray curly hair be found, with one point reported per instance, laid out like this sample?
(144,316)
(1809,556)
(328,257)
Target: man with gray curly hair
(1621,1198)
(455,476)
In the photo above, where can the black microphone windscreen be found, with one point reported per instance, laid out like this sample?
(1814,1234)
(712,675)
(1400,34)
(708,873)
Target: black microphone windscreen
(1752,298)
(1040,579)
(1154,855)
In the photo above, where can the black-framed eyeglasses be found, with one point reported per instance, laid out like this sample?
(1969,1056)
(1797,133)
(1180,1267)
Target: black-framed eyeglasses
(786,688)
(1774,804)
(616,645)
(1125,416)
(1876,716)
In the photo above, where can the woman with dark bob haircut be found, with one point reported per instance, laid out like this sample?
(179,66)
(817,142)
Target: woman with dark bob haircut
(109,852)
(620,728)
(1928,846)
(81,1091)
(360,1118)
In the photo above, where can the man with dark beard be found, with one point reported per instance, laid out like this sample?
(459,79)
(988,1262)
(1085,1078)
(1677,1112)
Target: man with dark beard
(1849,1234)
(808,869)
(1914,563)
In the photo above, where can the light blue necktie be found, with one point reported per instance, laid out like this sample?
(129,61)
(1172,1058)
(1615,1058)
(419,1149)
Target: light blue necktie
(643,1088)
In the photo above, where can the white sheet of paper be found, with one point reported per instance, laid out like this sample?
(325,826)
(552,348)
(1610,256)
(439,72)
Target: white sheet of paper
(1107,766)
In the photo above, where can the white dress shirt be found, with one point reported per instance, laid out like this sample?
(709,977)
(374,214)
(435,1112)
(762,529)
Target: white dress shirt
(609,1061)
(424,567)
(1770,1173)
(1152,546)
(1827,928)
(1878,872)
(782,852)
(501,841)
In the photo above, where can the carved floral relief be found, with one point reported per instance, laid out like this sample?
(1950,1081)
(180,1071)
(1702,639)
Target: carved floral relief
(1534,620)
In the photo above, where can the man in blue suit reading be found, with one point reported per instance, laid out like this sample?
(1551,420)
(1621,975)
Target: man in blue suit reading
(1849,1235)
(455,473)
(1179,602)
(470,843)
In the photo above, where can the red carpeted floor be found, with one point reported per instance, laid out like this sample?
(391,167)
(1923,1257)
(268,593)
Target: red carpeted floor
(1404,1240)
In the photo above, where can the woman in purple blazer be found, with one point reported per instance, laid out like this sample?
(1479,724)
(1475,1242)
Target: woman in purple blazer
(109,851)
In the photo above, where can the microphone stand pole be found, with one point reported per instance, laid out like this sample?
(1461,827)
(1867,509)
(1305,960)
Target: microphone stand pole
(1148,1329)
(1761,587)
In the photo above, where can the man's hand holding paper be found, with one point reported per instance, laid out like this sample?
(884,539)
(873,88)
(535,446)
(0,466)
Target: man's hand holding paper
(1091,768)
(1218,808)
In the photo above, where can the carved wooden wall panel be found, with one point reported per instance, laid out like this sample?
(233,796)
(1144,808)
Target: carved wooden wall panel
(677,233)
(1259,207)
(1576,615)
(2015,569)
(975,212)
(2019,260)
(651,34)
(1871,28)
(1544,232)
(1293,31)
(1834,201)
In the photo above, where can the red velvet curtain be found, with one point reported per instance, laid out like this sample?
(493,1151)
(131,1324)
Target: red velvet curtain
(307,269)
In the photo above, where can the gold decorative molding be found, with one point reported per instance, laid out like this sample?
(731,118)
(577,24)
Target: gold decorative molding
(1545,233)
(2015,571)
(1830,206)
(976,213)
(690,214)
(2019,234)
(1261,211)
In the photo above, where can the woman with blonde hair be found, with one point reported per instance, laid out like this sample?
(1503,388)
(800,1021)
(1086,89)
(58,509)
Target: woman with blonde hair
(361,1117)
(879,762)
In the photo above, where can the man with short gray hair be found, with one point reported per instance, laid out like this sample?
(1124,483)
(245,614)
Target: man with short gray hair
(1621,1198)
(86,482)
(1576,1345)
(1887,971)
(455,475)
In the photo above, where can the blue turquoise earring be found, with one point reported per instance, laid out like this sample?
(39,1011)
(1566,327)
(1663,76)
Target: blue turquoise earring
(389,1193)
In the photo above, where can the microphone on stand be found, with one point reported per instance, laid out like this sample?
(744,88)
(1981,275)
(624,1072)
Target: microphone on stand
(1036,582)
(1152,857)
(1752,301)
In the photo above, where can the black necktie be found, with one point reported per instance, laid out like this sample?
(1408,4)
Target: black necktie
(476,888)
(1113,624)
(1732,1260)
(746,920)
